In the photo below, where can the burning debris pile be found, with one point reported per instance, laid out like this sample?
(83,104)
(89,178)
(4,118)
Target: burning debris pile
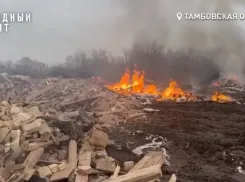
(55,129)
(58,128)
(136,85)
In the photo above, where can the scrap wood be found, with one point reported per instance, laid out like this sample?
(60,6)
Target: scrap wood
(134,116)
(84,168)
(152,159)
(119,112)
(71,114)
(72,163)
(36,145)
(142,175)
(38,93)
(173,178)
(81,101)
(116,172)
(104,164)
(33,158)
(29,163)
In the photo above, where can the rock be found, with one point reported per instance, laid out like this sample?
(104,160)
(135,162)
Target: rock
(128,165)
(44,171)
(99,138)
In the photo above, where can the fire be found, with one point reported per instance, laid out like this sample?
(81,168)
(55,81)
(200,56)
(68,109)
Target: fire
(136,84)
(219,97)
(173,91)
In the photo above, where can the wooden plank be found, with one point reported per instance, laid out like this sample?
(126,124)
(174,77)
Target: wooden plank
(33,158)
(173,178)
(142,175)
(152,159)
(116,172)
(72,163)
(84,167)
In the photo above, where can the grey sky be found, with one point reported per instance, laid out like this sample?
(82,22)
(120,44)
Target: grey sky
(60,27)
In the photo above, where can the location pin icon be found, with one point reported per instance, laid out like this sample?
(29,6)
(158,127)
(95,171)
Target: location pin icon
(179,15)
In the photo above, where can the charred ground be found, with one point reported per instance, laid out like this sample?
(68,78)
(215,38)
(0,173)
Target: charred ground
(207,140)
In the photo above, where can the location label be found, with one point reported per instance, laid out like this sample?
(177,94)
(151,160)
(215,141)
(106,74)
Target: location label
(179,16)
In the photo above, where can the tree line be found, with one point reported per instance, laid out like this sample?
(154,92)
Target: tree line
(158,64)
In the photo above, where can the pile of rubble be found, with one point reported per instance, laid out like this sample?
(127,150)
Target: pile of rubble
(31,146)
(53,129)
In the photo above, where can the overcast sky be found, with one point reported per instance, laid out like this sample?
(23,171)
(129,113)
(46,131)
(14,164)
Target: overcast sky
(60,27)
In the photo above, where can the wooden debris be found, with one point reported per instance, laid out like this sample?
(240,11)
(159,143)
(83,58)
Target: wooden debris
(15,109)
(33,158)
(65,113)
(3,133)
(128,165)
(54,168)
(135,116)
(44,171)
(152,159)
(32,127)
(38,93)
(116,172)
(173,178)
(72,163)
(84,162)
(104,164)
(62,166)
(71,114)
(84,168)
(34,110)
(79,101)
(36,145)
(141,175)
(15,143)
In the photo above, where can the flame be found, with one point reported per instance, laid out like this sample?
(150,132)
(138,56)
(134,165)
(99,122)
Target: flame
(136,84)
(173,91)
(219,97)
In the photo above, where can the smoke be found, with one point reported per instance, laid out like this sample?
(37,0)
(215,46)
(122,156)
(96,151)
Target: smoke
(221,41)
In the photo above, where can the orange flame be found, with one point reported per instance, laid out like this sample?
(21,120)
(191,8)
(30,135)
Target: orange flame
(128,85)
(137,85)
(173,91)
(219,97)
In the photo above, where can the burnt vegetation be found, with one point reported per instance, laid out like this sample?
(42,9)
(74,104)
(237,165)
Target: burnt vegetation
(159,65)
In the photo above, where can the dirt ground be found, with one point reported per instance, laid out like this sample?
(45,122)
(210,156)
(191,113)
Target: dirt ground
(206,140)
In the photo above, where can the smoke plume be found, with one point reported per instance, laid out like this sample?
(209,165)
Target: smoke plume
(221,41)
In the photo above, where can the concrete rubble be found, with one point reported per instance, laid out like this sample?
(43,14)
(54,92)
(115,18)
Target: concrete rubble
(55,129)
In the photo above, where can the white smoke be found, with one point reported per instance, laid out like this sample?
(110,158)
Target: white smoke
(222,40)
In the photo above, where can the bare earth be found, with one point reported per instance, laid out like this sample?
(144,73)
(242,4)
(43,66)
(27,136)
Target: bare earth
(207,140)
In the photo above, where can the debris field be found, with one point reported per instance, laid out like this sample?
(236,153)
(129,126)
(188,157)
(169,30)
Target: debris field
(58,129)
